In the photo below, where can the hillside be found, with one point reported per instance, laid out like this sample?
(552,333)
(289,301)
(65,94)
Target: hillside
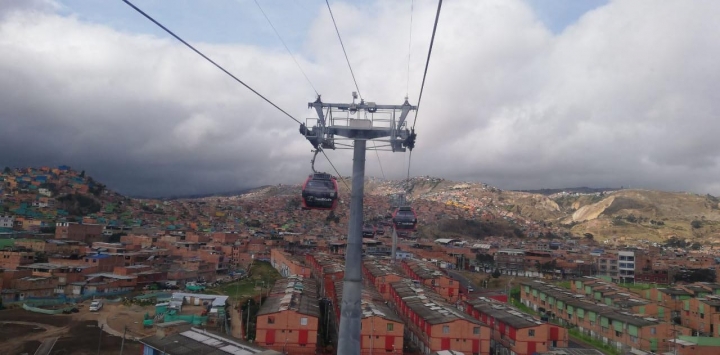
(623,216)
(445,208)
(643,214)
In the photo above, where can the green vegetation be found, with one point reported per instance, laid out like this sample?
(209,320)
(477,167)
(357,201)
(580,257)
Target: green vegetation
(260,272)
(523,308)
(79,205)
(597,344)
(636,286)
(565,284)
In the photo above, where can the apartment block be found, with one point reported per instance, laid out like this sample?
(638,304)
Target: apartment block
(381,330)
(288,320)
(381,275)
(514,332)
(430,275)
(511,261)
(87,233)
(626,266)
(11,259)
(434,324)
(288,264)
(611,325)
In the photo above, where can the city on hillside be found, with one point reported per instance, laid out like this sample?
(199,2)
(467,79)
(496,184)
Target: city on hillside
(263,274)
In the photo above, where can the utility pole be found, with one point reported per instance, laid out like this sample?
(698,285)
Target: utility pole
(100,339)
(359,123)
(394,245)
(247,326)
(122,344)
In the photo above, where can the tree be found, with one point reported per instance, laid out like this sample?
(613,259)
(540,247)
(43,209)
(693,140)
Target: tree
(496,274)
(589,236)
(696,224)
(115,237)
(7,170)
(82,174)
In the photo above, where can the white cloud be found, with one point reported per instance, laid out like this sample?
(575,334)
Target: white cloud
(626,96)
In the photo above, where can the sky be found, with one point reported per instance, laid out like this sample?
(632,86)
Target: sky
(520,94)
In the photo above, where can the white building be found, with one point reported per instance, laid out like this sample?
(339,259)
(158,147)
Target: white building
(6,221)
(626,266)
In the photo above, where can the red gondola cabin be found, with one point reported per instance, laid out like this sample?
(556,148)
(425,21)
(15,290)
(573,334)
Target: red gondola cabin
(320,192)
(405,219)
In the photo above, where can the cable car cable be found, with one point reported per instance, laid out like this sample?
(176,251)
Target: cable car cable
(343,48)
(286,47)
(379,163)
(427,62)
(422,86)
(336,171)
(407,88)
(208,59)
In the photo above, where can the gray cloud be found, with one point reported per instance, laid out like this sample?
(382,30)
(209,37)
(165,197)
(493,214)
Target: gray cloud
(626,96)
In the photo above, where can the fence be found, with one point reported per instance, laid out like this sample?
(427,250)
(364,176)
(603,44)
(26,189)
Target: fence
(63,299)
(44,311)
(158,295)
(192,319)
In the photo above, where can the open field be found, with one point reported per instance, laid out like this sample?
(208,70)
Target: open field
(260,272)
(78,333)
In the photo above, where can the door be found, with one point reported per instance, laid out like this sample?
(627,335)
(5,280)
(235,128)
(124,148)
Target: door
(270,336)
(389,342)
(303,337)
(445,344)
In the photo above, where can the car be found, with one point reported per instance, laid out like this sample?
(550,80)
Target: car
(95,306)
(470,289)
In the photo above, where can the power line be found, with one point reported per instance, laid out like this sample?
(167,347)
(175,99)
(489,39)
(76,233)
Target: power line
(208,59)
(379,163)
(286,47)
(427,62)
(336,171)
(407,89)
(343,48)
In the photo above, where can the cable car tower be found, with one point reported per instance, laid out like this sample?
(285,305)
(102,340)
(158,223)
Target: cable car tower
(351,126)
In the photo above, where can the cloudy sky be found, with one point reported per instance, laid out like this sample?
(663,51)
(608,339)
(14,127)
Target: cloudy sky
(520,93)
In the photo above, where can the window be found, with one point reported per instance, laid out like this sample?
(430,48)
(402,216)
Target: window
(476,330)
(271,320)
(653,330)
(446,329)
(531,332)
(390,327)
(633,339)
(303,321)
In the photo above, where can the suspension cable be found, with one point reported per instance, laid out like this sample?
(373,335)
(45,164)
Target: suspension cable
(378,156)
(286,47)
(208,59)
(407,88)
(408,171)
(336,171)
(427,63)
(422,86)
(343,48)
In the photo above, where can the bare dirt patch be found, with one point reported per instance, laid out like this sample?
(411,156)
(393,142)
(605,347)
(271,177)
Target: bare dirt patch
(11,330)
(84,337)
(77,333)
